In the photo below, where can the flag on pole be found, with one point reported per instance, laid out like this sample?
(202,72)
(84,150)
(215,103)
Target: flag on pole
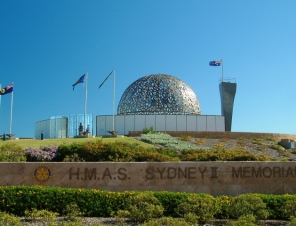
(7,89)
(106,78)
(215,63)
(80,80)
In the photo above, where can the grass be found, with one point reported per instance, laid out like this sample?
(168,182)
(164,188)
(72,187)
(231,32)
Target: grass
(47,142)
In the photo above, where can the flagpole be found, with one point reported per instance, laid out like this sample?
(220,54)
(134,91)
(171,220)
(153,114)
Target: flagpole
(11,104)
(85,103)
(113,99)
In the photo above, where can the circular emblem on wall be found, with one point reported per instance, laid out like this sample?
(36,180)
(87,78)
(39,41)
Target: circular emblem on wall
(42,174)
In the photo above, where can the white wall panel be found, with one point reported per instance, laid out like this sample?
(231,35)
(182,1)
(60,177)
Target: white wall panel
(220,124)
(201,123)
(191,122)
(124,124)
(139,122)
(129,123)
(160,123)
(150,121)
(101,125)
(109,123)
(119,124)
(181,123)
(171,122)
(211,123)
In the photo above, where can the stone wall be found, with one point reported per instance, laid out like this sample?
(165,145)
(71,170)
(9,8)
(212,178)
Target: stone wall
(216,178)
(219,135)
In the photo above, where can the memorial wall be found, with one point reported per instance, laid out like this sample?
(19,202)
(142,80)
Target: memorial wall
(216,178)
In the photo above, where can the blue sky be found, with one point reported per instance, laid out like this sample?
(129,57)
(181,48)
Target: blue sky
(47,45)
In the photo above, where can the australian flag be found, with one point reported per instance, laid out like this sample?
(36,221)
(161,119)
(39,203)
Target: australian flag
(215,63)
(7,89)
(80,80)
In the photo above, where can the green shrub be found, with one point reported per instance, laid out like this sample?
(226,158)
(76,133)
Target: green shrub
(257,141)
(44,216)
(166,140)
(275,204)
(185,138)
(166,221)
(77,223)
(148,156)
(224,202)
(68,150)
(221,154)
(141,208)
(245,220)
(11,152)
(72,213)
(170,200)
(292,221)
(9,220)
(201,208)
(289,208)
(119,152)
(248,204)
(91,151)
(277,147)
(148,130)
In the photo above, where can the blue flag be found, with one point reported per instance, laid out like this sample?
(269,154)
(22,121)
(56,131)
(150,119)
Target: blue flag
(80,80)
(215,63)
(7,89)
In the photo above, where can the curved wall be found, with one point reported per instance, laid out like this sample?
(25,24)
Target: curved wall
(123,124)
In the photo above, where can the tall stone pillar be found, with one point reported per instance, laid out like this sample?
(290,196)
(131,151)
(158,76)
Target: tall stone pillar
(227,93)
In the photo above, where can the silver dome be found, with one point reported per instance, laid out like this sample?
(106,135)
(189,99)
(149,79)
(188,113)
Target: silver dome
(158,94)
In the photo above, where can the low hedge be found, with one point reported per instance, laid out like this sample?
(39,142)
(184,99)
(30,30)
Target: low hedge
(98,203)
(98,151)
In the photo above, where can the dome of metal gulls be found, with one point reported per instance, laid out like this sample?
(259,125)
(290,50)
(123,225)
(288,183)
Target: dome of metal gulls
(158,94)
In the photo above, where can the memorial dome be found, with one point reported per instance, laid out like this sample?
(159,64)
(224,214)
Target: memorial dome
(158,94)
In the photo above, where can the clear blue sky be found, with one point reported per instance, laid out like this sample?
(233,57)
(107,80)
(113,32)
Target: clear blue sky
(45,46)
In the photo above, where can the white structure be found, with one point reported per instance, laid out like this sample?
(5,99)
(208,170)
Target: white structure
(125,123)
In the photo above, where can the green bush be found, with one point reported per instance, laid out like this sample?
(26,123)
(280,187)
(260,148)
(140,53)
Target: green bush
(11,152)
(170,200)
(248,204)
(68,151)
(153,156)
(141,208)
(289,208)
(245,220)
(119,152)
(9,220)
(275,203)
(166,140)
(96,203)
(72,213)
(221,154)
(257,141)
(201,208)
(44,216)
(277,147)
(91,151)
(166,221)
(185,138)
(224,203)
(148,130)
(292,221)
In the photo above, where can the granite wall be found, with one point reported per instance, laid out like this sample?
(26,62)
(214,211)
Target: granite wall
(216,178)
